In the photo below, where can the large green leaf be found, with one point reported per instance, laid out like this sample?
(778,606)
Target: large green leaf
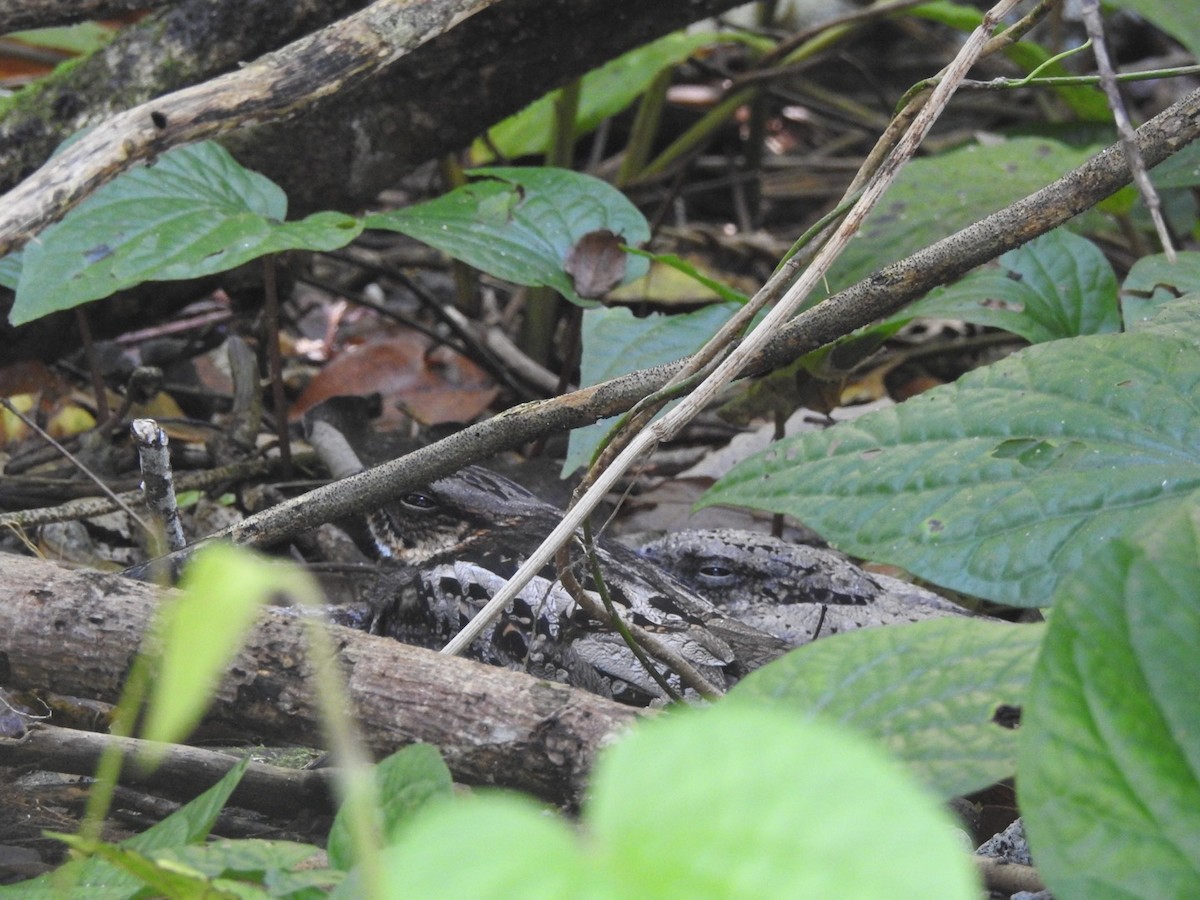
(933,198)
(1057,286)
(1004,482)
(194,212)
(938,694)
(1110,748)
(521,224)
(740,801)
(616,342)
(728,802)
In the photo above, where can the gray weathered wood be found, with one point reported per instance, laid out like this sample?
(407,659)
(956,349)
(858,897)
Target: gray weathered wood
(76,632)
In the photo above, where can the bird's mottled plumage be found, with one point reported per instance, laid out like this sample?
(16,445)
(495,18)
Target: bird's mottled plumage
(792,591)
(465,535)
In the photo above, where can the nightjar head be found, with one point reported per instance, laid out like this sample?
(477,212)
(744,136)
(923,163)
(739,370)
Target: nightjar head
(792,591)
(449,517)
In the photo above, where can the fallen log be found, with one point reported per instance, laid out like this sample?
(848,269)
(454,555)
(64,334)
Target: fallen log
(77,632)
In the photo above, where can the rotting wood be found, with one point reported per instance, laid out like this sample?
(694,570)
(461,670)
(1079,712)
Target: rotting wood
(77,632)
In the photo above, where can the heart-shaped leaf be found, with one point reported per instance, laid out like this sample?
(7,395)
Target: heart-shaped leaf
(193,213)
(523,224)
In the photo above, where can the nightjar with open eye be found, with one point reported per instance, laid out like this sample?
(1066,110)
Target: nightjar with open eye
(463,536)
(792,591)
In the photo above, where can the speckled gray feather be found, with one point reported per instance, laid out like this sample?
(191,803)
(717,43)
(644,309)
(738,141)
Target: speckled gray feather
(463,536)
(793,591)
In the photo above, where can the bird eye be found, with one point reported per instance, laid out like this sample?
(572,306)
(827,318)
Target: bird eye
(715,573)
(419,501)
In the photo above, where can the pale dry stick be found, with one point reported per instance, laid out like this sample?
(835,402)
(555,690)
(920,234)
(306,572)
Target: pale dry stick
(158,482)
(672,422)
(1090,10)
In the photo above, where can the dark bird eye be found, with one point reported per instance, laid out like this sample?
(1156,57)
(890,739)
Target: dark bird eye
(715,573)
(419,500)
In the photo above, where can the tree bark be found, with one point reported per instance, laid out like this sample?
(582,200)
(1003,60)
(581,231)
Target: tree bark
(186,44)
(77,632)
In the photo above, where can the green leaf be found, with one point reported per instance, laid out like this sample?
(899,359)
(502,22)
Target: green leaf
(933,198)
(239,864)
(1158,275)
(520,224)
(604,93)
(1110,748)
(200,632)
(1002,483)
(79,39)
(930,692)
(166,881)
(10,270)
(726,802)
(490,845)
(616,342)
(1155,280)
(404,783)
(1057,286)
(194,212)
(739,801)
(189,824)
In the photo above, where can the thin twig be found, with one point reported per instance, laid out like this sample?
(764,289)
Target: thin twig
(1090,10)
(86,507)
